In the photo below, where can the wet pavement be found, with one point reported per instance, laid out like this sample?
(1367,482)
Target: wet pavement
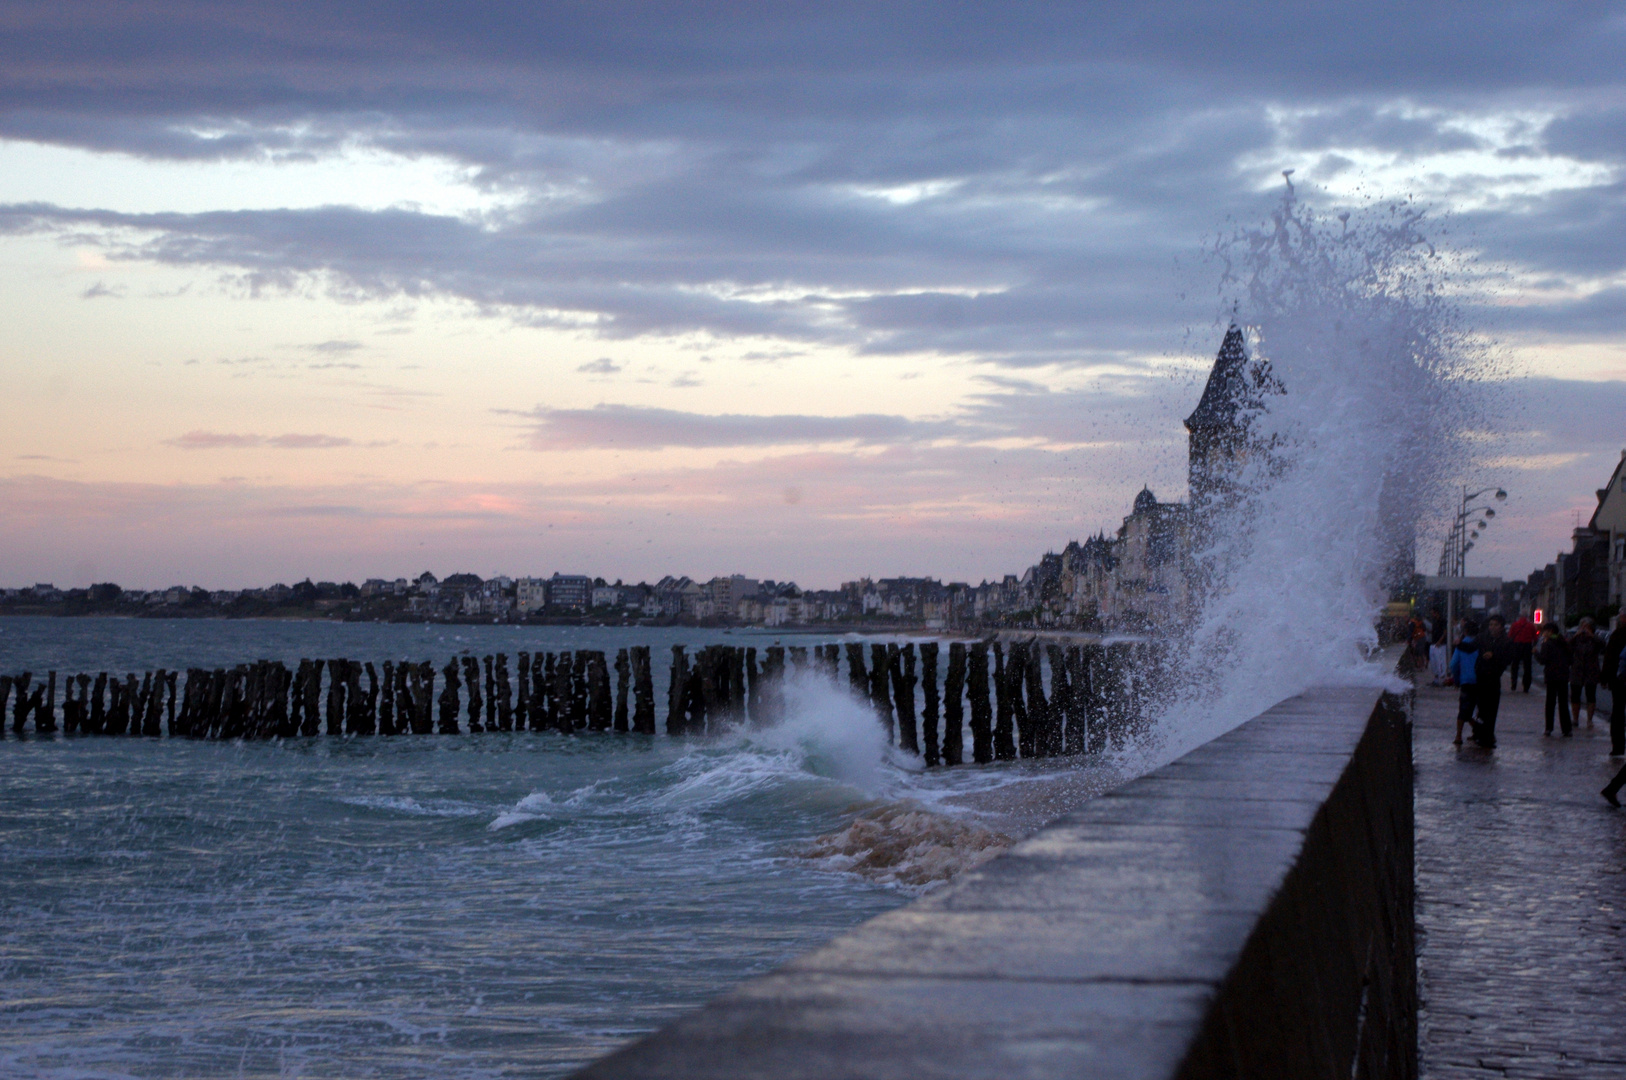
(1521,897)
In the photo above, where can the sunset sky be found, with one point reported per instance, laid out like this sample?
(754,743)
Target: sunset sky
(803,291)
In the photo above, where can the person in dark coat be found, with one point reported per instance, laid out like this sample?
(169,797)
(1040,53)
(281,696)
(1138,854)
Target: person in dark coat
(1613,650)
(1585,653)
(1612,789)
(1495,656)
(1553,654)
(1523,635)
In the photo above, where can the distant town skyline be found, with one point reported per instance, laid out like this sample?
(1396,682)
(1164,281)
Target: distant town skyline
(792,293)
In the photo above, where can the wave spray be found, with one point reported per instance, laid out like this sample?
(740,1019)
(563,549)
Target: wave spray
(1360,402)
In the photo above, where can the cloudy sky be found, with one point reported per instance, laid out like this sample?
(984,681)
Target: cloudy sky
(794,290)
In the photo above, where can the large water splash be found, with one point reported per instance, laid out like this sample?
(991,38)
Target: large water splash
(1377,371)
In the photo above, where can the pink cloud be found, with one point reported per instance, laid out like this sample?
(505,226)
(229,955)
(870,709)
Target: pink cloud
(217,440)
(639,427)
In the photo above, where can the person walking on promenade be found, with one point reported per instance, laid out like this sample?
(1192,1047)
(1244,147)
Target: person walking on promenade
(1439,649)
(1612,789)
(1613,650)
(1418,644)
(1495,655)
(1523,636)
(1584,655)
(1464,662)
(1554,656)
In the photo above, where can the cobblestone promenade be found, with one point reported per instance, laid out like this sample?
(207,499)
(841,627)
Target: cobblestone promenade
(1521,898)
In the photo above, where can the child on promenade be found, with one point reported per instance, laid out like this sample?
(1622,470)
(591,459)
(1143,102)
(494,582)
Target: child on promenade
(1463,671)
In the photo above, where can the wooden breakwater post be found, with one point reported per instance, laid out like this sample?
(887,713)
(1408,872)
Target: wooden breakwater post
(1041,721)
(753,686)
(1078,684)
(954,690)
(623,678)
(929,717)
(901,666)
(489,720)
(982,716)
(676,723)
(522,691)
(448,698)
(773,687)
(1004,710)
(643,691)
(600,708)
(740,681)
(505,696)
(1061,709)
(880,687)
(536,715)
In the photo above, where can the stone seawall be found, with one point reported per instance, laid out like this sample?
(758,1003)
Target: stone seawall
(1245,911)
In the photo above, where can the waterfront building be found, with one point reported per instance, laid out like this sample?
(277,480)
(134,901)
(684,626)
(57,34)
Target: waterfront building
(570,592)
(1590,578)
(1151,579)
(1609,525)
(725,593)
(530,595)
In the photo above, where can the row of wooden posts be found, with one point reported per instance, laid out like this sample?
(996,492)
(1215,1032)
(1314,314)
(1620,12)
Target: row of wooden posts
(1047,699)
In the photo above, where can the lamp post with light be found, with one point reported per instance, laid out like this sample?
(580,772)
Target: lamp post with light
(1460,540)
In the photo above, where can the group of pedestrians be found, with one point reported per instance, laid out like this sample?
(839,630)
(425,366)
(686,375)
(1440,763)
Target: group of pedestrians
(1475,668)
(1572,665)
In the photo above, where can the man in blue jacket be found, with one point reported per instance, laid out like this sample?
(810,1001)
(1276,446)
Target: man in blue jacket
(1464,666)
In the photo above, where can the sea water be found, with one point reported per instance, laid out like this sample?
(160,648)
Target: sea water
(438,906)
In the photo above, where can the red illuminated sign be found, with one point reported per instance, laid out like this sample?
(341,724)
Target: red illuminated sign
(1538,616)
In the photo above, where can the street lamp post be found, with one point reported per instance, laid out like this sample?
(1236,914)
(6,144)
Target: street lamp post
(1459,541)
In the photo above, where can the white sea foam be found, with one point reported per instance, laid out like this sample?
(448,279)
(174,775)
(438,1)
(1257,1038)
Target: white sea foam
(406,804)
(533,807)
(833,734)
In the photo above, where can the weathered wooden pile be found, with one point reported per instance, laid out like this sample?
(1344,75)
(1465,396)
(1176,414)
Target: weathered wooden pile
(1034,700)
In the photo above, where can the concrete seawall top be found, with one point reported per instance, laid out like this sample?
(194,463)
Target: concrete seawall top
(1244,910)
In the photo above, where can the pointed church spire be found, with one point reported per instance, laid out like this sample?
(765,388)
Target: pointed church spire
(1227,385)
(1219,426)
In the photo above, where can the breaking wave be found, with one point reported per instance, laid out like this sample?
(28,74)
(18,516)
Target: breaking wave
(1353,317)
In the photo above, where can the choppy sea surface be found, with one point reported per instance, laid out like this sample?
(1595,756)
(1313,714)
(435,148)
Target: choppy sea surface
(502,904)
